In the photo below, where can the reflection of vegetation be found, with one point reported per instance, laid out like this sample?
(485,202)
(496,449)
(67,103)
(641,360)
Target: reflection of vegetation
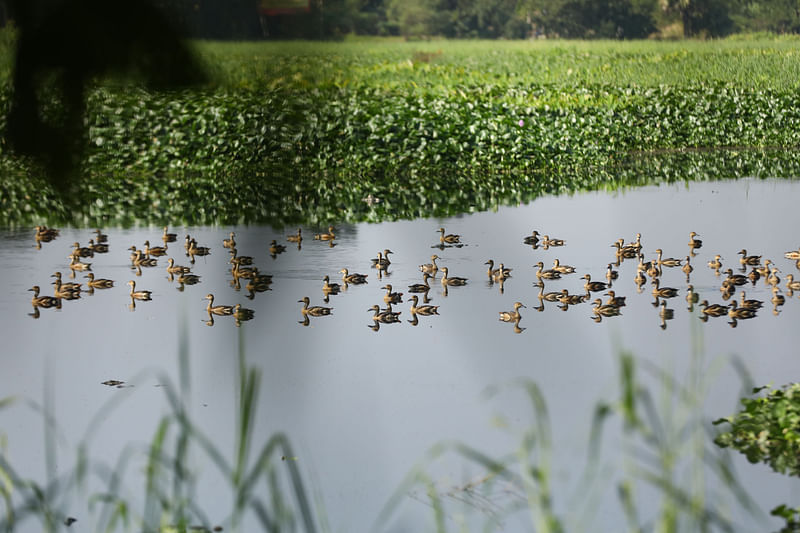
(258,485)
(309,135)
(665,447)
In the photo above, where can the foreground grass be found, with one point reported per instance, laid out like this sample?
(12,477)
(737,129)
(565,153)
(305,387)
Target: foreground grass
(304,132)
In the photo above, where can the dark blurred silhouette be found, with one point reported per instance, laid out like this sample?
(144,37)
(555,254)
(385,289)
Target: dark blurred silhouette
(62,45)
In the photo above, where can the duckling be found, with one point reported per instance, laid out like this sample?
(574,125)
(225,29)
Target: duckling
(330,288)
(168,237)
(668,262)
(623,251)
(230,242)
(325,236)
(613,299)
(70,286)
(713,309)
(512,316)
(239,259)
(43,301)
(313,310)
(99,283)
(593,286)
(424,310)
(386,317)
(694,243)
(432,267)
(562,269)
(298,237)
(604,310)
(547,242)
(532,238)
(449,238)
(392,297)
(139,295)
(97,248)
(611,274)
(663,292)
(791,284)
(221,310)
(494,273)
(749,259)
(454,281)
(354,278)
(421,287)
(716,264)
(736,279)
(275,248)
(687,268)
(99,236)
(172,268)
(777,299)
(794,255)
(749,304)
(81,251)
(155,251)
(546,274)
(740,313)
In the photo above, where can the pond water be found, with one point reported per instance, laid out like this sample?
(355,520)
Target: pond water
(362,407)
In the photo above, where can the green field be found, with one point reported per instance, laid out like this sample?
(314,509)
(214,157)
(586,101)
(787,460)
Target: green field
(302,132)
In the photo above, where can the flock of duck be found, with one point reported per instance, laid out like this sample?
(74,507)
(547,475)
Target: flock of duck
(751,269)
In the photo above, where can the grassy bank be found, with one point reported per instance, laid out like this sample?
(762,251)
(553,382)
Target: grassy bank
(304,132)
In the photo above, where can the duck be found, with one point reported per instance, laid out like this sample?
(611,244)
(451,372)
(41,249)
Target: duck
(325,236)
(421,287)
(298,237)
(194,249)
(791,284)
(611,274)
(694,243)
(562,269)
(449,238)
(773,278)
(593,286)
(763,270)
(139,295)
(643,266)
(97,248)
(547,296)
(172,268)
(424,310)
(454,281)
(392,297)
(242,313)
(81,251)
(754,275)
(654,270)
(691,296)
(777,299)
(636,244)
(354,278)
(533,238)
(430,268)
(713,309)
(494,273)
(275,248)
(736,279)
(687,268)
(71,292)
(749,259)
(665,314)
(663,292)
(168,237)
(156,251)
(239,259)
(230,242)
(512,316)
(546,274)
(239,271)
(625,251)
(140,260)
(571,299)
(43,233)
(794,255)
(716,264)
(330,288)
(70,286)
(314,310)
(188,279)
(386,317)
(99,236)
(640,279)
(221,310)
(749,304)
(99,283)
(76,265)
(668,262)
(382,261)
(604,310)
(43,301)
(547,242)
(740,313)
(613,299)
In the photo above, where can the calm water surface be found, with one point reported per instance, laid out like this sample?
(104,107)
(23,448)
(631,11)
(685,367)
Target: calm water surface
(362,407)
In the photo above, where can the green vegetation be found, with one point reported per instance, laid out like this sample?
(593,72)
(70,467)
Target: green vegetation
(303,133)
